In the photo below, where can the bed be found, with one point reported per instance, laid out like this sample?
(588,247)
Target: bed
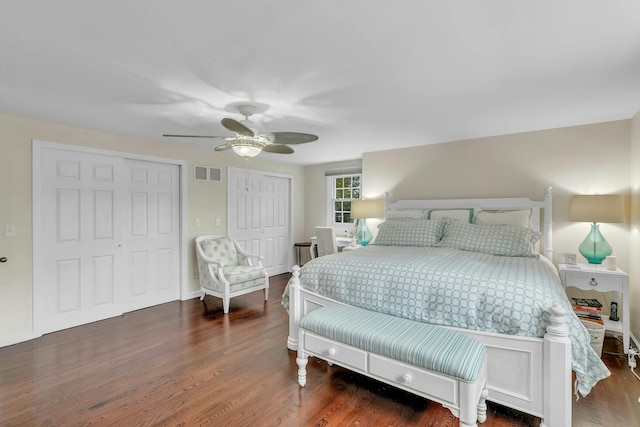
(481,266)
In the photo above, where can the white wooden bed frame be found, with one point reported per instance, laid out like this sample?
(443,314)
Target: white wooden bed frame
(532,375)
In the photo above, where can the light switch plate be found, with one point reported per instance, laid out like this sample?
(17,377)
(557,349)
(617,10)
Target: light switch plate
(570,259)
(9,230)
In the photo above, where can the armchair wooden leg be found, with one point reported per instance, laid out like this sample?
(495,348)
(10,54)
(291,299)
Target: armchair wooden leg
(225,304)
(266,294)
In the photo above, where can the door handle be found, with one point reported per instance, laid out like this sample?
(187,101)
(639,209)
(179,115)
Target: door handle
(3,259)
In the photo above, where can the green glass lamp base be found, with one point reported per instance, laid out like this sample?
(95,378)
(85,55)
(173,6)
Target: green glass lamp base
(595,248)
(364,235)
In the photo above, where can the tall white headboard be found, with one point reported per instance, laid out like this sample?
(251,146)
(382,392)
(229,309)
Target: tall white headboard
(499,204)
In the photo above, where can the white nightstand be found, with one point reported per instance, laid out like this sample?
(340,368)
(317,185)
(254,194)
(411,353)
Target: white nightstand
(598,278)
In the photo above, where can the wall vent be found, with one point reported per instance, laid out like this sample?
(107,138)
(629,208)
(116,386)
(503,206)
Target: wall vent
(214,174)
(203,173)
(200,173)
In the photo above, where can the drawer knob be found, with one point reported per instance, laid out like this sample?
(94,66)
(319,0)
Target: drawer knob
(406,378)
(593,282)
(331,352)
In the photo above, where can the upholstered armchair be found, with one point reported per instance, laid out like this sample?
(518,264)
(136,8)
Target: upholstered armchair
(227,271)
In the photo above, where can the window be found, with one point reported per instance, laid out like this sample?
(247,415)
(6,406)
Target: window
(344,189)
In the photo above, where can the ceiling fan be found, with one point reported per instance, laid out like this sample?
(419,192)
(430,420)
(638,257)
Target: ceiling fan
(248,142)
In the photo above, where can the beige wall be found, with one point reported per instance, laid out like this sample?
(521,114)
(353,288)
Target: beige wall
(634,244)
(205,200)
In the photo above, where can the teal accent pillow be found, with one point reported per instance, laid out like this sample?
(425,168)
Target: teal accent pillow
(407,231)
(494,239)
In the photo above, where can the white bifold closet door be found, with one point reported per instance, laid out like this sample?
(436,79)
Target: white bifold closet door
(110,237)
(259,216)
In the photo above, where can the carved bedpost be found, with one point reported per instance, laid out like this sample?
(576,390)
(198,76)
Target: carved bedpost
(548,223)
(557,371)
(295,308)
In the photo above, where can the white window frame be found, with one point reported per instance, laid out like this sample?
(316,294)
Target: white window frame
(331,199)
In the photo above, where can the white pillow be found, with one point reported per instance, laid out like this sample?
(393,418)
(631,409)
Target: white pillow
(416,214)
(464,215)
(521,218)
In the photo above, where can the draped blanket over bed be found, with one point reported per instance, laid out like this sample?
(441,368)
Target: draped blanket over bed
(451,287)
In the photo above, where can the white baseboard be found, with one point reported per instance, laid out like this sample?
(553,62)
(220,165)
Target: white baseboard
(7,341)
(191,295)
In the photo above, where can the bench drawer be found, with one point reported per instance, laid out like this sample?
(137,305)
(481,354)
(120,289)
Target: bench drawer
(331,351)
(438,386)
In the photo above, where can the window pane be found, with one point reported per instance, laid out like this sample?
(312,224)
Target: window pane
(345,189)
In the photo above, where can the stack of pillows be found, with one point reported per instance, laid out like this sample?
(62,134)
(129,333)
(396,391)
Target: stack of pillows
(503,233)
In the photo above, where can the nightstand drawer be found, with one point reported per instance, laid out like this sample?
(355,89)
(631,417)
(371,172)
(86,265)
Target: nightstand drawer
(595,281)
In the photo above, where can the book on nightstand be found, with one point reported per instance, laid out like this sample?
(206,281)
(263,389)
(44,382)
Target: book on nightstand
(587,304)
(588,309)
(591,317)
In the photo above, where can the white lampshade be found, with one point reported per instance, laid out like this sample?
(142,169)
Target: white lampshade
(367,209)
(246,150)
(597,208)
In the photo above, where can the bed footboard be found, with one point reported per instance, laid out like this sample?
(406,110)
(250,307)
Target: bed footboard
(532,375)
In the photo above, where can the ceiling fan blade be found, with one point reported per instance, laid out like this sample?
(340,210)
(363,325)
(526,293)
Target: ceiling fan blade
(289,137)
(277,148)
(223,147)
(237,127)
(194,136)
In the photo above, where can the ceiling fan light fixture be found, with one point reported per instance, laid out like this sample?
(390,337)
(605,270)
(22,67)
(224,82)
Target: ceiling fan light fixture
(246,148)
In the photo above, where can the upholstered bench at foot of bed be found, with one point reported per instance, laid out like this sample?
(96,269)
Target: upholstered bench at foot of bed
(439,364)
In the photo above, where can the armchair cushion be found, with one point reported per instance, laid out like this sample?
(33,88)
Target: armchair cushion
(242,273)
(221,250)
(239,277)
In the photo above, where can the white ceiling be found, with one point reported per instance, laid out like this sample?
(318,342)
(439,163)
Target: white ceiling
(363,75)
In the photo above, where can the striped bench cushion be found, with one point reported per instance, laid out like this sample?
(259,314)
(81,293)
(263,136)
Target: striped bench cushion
(419,344)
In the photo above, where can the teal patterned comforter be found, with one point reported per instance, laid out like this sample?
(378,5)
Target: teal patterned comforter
(471,290)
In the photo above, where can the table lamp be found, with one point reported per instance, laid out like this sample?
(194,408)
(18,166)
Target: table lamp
(363,209)
(595,209)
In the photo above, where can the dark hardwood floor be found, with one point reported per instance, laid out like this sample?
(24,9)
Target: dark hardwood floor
(175,365)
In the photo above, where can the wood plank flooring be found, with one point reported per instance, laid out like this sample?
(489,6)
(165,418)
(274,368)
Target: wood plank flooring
(174,365)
